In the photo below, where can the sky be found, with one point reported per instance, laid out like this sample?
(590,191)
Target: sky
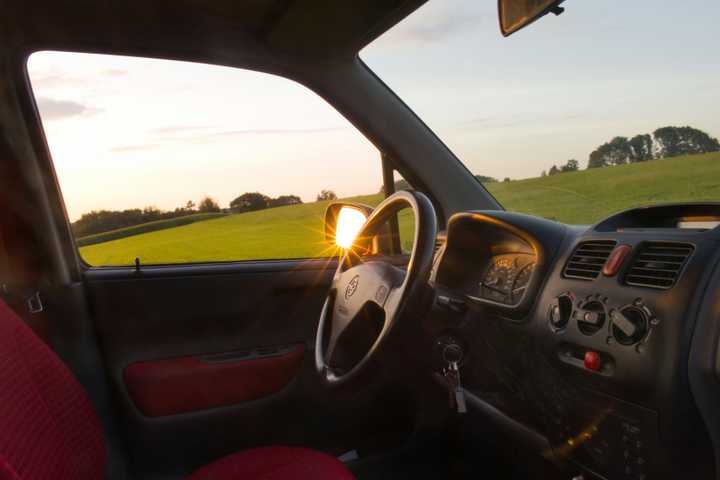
(128,133)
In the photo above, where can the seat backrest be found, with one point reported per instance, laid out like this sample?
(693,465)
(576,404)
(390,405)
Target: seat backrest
(48,428)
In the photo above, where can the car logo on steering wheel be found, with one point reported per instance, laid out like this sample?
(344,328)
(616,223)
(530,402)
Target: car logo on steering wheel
(352,287)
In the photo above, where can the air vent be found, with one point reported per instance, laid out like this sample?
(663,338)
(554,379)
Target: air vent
(588,259)
(658,264)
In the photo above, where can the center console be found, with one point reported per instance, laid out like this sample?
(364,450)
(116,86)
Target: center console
(599,365)
(615,322)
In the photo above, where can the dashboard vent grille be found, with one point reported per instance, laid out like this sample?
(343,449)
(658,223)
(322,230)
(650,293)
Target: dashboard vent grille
(588,259)
(658,264)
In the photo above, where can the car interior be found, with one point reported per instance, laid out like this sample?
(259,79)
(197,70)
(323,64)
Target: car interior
(496,344)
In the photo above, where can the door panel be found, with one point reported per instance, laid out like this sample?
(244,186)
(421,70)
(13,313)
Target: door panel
(187,384)
(174,339)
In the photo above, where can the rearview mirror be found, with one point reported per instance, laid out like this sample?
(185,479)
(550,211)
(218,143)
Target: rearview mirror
(517,14)
(343,222)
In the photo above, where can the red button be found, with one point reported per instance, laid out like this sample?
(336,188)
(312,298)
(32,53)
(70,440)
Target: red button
(616,259)
(592,361)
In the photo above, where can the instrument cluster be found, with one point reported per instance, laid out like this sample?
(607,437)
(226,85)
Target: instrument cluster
(506,278)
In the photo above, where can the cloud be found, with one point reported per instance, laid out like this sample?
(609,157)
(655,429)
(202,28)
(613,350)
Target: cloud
(114,72)
(178,129)
(519,120)
(56,78)
(201,130)
(52,80)
(446,20)
(442,28)
(181,133)
(134,148)
(164,135)
(51,109)
(270,131)
(708,86)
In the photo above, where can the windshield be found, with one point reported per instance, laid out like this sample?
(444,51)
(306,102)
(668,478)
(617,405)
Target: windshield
(608,106)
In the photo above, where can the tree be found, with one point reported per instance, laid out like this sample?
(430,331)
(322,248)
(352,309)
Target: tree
(284,200)
(326,195)
(553,170)
(401,184)
(597,159)
(151,213)
(249,202)
(674,141)
(506,179)
(208,205)
(618,151)
(105,220)
(190,206)
(485,179)
(641,148)
(571,166)
(615,152)
(543,174)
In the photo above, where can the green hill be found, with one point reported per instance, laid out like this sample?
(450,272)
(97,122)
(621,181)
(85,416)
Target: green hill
(587,196)
(145,228)
(296,231)
(293,231)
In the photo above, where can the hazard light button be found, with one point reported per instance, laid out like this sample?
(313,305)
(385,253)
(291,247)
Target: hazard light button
(592,361)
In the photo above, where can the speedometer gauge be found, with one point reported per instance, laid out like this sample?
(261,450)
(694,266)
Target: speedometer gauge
(497,283)
(521,282)
(506,278)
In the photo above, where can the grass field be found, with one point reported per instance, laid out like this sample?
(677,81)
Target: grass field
(590,195)
(145,228)
(277,233)
(296,231)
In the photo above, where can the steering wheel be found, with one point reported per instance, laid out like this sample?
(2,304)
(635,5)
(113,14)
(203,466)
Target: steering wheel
(368,296)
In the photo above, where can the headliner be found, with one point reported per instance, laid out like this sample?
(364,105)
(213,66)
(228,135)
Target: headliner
(312,29)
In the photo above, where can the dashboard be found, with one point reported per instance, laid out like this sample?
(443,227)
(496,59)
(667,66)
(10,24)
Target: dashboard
(581,340)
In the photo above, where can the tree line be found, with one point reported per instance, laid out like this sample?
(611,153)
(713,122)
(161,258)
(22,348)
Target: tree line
(662,143)
(98,221)
(254,201)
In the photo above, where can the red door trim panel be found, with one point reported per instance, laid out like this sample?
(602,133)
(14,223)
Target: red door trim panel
(187,384)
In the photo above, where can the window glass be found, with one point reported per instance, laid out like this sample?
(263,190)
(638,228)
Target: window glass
(176,162)
(611,105)
(406,219)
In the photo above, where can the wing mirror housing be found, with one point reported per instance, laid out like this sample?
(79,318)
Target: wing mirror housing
(343,221)
(517,14)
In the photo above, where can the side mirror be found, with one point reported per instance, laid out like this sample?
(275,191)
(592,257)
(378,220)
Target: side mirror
(517,14)
(343,222)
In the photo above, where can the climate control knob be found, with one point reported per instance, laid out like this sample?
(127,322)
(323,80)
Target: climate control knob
(629,325)
(560,311)
(590,316)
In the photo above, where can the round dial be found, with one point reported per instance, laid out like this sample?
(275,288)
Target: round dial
(521,282)
(498,280)
(506,278)
(629,325)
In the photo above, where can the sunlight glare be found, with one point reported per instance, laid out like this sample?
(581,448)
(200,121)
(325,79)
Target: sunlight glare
(348,226)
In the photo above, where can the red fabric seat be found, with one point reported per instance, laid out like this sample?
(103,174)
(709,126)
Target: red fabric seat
(275,463)
(49,430)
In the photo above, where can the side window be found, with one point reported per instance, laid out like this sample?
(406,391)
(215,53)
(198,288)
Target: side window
(174,162)
(406,220)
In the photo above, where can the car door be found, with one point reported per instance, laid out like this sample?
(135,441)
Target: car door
(205,310)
